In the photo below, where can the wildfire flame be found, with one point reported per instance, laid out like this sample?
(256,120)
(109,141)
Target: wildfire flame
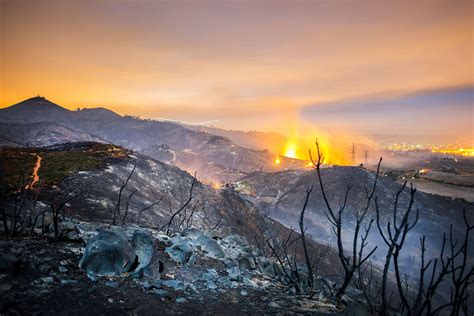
(290,150)
(296,148)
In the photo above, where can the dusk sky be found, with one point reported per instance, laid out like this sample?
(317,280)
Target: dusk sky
(375,67)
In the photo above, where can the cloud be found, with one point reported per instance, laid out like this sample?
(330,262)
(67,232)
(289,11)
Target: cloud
(445,111)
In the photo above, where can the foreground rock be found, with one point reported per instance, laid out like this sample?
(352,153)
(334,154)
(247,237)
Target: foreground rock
(109,253)
(61,287)
(188,264)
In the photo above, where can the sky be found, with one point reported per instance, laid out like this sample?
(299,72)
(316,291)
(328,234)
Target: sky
(355,67)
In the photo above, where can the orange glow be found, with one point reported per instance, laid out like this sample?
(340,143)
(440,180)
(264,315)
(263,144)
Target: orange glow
(35,173)
(335,152)
(290,149)
(277,161)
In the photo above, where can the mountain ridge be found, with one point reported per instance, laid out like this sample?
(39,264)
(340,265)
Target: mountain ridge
(217,157)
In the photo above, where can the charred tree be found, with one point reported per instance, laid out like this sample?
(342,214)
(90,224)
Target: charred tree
(353,261)
(119,200)
(183,206)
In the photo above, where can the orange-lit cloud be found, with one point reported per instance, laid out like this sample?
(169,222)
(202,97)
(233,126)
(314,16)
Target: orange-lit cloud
(248,65)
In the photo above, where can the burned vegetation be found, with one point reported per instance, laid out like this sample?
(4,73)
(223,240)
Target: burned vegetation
(121,229)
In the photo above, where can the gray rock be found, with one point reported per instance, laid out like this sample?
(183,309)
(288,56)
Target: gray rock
(214,234)
(73,235)
(192,233)
(180,250)
(151,285)
(154,268)
(69,282)
(67,225)
(174,284)
(235,239)
(159,292)
(211,285)
(142,243)
(137,274)
(234,274)
(47,280)
(108,253)
(210,246)
(210,275)
(247,262)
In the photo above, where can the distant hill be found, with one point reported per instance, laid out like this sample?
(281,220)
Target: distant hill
(37,109)
(250,139)
(215,158)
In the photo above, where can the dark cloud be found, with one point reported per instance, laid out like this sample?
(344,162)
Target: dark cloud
(436,112)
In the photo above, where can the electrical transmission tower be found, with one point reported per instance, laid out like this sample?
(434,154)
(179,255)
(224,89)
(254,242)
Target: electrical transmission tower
(353,153)
(366,156)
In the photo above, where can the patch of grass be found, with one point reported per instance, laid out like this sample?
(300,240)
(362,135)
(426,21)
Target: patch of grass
(56,164)
(16,167)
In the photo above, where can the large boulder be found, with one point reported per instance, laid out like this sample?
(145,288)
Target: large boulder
(209,246)
(108,253)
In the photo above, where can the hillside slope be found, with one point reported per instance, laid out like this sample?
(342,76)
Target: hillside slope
(216,158)
(281,196)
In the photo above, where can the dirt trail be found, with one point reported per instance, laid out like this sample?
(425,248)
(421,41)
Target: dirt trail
(35,173)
